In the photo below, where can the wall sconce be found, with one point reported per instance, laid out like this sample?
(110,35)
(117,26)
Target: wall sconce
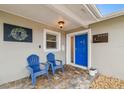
(61,24)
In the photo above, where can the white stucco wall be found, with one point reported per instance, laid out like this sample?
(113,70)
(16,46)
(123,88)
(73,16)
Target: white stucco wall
(13,54)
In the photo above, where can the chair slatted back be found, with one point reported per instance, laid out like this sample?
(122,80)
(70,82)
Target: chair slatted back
(51,58)
(33,62)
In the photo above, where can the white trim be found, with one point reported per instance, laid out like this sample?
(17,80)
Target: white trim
(68,51)
(91,13)
(96,10)
(111,15)
(74,51)
(106,17)
(58,34)
(78,66)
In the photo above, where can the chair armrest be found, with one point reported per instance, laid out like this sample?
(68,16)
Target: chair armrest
(46,65)
(50,64)
(30,69)
(59,61)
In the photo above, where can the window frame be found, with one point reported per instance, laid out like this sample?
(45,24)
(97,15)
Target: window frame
(58,40)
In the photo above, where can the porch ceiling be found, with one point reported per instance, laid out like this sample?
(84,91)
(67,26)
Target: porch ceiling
(74,15)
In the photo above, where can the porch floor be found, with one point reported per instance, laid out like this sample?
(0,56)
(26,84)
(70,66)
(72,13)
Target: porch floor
(72,78)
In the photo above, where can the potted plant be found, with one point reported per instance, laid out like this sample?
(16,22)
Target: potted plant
(92,71)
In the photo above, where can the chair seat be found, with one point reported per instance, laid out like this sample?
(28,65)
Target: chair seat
(40,73)
(35,68)
(58,66)
(35,71)
(42,67)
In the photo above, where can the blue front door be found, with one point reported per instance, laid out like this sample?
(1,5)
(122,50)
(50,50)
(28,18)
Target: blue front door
(81,50)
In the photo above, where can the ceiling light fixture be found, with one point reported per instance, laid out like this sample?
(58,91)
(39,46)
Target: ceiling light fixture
(61,24)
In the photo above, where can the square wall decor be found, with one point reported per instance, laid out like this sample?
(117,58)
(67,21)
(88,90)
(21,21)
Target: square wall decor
(15,33)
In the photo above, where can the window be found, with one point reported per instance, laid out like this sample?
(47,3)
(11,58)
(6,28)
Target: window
(106,9)
(52,40)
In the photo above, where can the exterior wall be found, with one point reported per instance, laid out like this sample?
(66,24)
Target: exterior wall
(108,58)
(13,54)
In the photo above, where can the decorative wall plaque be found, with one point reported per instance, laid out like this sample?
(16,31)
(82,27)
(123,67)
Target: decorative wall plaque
(15,33)
(100,38)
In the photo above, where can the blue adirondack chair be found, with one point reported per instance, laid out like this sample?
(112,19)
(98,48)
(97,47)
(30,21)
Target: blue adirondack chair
(54,64)
(36,68)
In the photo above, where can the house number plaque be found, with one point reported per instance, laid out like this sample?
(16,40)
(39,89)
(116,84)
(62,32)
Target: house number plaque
(100,38)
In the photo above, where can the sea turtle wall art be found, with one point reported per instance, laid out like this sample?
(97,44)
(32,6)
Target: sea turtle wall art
(17,33)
